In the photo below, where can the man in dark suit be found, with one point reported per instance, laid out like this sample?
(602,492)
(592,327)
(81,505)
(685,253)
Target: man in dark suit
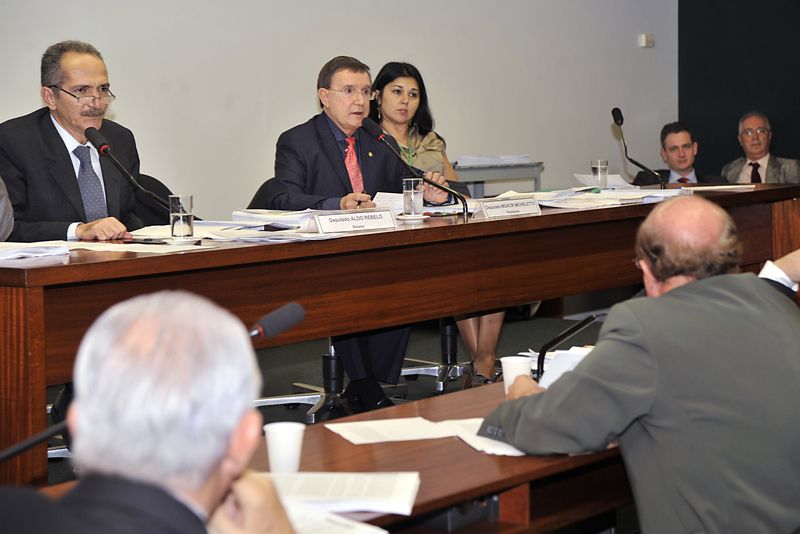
(163,428)
(758,165)
(330,163)
(678,150)
(699,386)
(58,185)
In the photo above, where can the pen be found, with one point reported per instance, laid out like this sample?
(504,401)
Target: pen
(358,204)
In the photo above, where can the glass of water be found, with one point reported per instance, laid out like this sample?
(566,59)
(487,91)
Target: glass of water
(181,217)
(600,172)
(412,197)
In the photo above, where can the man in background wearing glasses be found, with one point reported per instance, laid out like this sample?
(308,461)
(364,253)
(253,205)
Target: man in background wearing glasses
(758,166)
(58,185)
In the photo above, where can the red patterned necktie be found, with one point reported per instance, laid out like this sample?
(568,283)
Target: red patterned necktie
(683,180)
(353,169)
(755,177)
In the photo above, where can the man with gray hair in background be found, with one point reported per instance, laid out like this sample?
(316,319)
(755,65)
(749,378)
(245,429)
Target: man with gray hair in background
(758,165)
(699,386)
(163,428)
(58,184)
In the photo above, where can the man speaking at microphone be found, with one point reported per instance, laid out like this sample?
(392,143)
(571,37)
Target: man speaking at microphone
(58,185)
(330,163)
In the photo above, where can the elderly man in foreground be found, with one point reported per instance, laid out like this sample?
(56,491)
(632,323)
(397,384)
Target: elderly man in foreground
(163,428)
(698,386)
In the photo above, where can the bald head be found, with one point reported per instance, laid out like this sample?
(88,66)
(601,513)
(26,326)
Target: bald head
(688,236)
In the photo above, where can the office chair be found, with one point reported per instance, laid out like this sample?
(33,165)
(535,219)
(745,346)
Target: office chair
(449,369)
(147,209)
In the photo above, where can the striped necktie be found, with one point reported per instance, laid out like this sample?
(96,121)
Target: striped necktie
(94,201)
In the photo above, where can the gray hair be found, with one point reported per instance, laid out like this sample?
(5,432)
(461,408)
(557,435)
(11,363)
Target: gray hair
(161,382)
(51,60)
(754,113)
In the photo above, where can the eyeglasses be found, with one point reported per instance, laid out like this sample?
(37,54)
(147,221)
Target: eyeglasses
(106,96)
(751,132)
(351,92)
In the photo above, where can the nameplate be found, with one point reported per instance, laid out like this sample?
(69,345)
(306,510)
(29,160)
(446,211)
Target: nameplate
(509,207)
(354,221)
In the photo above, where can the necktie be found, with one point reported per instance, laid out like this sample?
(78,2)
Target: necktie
(353,169)
(94,201)
(683,180)
(755,177)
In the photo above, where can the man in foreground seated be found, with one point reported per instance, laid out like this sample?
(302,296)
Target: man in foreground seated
(163,428)
(699,386)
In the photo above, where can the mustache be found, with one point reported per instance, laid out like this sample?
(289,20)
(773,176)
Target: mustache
(93,113)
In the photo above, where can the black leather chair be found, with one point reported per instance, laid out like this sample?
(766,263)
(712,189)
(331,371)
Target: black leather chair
(148,210)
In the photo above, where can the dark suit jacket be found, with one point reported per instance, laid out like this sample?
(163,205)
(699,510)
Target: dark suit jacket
(645,178)
(6,213)
(41,181)
(309,167)
(97,504)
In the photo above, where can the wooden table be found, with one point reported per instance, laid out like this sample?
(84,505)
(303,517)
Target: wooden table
(537,491)
(420,272)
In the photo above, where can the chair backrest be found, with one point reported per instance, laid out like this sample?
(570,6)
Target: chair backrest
(260,198)
(148,210)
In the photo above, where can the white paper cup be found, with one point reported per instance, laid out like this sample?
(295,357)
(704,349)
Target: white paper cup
(284,445)
(514,366)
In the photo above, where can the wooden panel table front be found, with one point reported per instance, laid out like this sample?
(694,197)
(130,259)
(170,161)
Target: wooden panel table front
(421,272)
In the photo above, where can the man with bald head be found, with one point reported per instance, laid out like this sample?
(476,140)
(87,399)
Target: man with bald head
(698,383)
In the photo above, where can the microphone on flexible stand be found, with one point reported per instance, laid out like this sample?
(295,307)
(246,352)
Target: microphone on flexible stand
(616,114)
(278,321)
(373,129)
(101,144)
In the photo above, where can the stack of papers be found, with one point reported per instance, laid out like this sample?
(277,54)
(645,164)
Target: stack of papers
(615,181)
(278,218)
(308,520)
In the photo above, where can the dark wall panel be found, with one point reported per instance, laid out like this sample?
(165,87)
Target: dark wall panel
(735,56)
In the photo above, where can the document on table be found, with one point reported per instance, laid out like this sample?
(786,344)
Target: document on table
(309,520)
(281,218)
(394,202)
(251,232)
(40,249)
(389,493)
(383,430)
(134,247)
(414,428)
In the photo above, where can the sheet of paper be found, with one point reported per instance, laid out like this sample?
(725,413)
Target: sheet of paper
(391,493)
(561,362)
(383,430)
(41,249)
(308,520)
(467,430)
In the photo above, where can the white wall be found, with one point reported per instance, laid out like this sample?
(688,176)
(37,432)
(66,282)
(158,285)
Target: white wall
(208,86)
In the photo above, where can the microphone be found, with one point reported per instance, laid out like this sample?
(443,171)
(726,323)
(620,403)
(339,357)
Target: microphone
(278,321)
(616,114)
(24,445)
(101,144)
(373,129)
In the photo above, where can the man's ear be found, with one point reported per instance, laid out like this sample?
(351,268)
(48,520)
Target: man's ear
(652,287)
(322,94)
(48,97)
(242,444)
